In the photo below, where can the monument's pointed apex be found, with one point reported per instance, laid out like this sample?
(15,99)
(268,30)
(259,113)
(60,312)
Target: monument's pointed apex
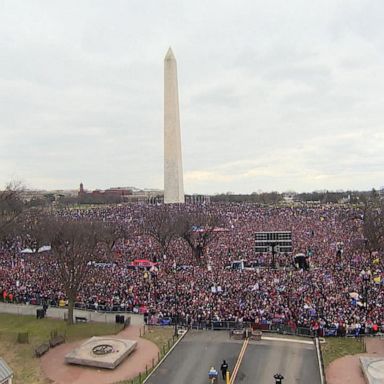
(170,55)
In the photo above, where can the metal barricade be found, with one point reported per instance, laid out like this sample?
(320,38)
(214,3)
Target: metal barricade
(303,331)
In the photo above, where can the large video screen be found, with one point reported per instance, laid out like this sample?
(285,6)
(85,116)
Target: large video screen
(280,240)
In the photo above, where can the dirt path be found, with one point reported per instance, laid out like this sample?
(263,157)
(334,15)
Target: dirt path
(348,370)
(54,367)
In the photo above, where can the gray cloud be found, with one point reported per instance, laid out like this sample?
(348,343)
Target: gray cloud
(274,94)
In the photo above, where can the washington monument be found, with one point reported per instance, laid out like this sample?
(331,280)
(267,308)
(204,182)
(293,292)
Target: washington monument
(173,167)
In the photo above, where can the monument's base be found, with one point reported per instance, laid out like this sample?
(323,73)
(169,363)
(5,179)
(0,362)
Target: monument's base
(101,352)
(373,369)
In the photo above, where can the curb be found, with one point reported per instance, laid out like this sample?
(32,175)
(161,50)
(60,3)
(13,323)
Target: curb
(165,356)
(319,361)
(286,340)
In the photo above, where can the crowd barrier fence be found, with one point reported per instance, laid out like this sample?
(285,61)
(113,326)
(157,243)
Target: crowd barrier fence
(280,328)
(273,327)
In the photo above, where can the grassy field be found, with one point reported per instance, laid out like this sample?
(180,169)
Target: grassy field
(20,357)
(336,347)
(159,335)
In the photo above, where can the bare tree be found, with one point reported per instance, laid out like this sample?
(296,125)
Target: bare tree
(373,223)
(74,246)
(198,229)
(35,229)
(11,207)
(160,223)
(112,233)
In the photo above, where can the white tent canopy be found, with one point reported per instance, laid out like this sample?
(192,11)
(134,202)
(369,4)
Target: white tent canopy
(44,248)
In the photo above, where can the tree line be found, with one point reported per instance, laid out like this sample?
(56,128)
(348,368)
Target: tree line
(273,198)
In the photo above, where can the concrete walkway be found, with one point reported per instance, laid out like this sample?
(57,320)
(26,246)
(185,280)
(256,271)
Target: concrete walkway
(348,369)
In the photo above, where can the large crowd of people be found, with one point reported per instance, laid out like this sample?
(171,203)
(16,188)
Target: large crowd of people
(342,289)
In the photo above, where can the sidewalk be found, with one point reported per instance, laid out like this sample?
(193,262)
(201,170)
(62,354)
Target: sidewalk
(348,369)
(55,368)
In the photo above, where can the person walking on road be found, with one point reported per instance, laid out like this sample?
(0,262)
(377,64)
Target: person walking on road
(212,375)
(224,369)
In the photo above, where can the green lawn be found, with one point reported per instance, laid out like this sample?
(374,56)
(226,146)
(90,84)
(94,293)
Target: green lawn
(20,357)
(159,335)
(336,347)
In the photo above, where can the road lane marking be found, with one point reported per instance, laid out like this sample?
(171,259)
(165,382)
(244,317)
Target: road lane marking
(287,340)
(239,360)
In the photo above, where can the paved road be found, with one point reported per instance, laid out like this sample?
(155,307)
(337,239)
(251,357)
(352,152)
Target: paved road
(191,359)
(296,362)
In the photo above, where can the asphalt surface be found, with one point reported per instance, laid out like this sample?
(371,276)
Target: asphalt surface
(296,362)
(190,361)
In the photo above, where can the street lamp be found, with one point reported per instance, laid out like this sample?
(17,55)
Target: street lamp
(278,378)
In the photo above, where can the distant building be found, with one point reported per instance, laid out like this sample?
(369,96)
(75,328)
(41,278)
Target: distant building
(188,199)
(121,192)
(197,199)
(289,197)
(132,195)
(118,194)
(28,195)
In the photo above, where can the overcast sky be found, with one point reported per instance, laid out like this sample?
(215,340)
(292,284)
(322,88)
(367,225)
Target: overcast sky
(274,95)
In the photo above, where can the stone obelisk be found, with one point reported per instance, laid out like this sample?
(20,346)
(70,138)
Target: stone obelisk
(173,167)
